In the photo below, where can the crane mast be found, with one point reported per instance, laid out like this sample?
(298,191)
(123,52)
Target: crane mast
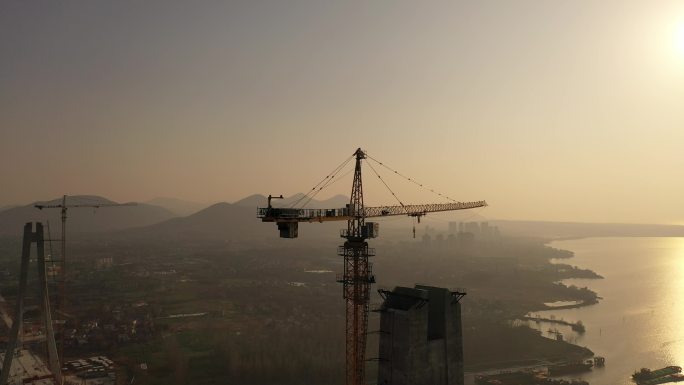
(60,304)
(356,280)
(357,277)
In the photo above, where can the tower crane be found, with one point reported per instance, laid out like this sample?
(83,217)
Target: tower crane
(357,276)
(61,263)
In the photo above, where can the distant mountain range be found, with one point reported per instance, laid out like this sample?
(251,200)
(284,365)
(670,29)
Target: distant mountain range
(218,221)
(178,206)
(83,219)
(158,217)
(7,207)
(238,222)
(173,218)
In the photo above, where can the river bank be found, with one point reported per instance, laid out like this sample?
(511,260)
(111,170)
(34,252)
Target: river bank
(544,350)
(637,322)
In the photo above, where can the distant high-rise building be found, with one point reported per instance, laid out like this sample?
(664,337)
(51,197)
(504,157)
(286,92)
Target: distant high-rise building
(485,229)
(439,241)
(453,227)
(421,338)
(466,239)
(427,239)
(472,227)
(452,241)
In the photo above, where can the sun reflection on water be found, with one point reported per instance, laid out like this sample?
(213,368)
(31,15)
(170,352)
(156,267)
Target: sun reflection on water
(673,322)
(639,322)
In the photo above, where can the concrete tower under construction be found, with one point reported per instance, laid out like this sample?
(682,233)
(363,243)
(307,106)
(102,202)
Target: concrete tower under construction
(421,337)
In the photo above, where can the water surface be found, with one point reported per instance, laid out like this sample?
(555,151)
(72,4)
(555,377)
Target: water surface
(640,320)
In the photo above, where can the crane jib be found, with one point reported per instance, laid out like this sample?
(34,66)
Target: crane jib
(275,214)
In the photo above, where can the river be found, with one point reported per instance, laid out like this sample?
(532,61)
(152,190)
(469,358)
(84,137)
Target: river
(640,320)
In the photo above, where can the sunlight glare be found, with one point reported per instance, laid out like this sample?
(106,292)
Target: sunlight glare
(676,350)
(679,39)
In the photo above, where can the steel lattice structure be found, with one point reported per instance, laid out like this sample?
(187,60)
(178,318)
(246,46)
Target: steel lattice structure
(274,214)
(357,276)
(356,281)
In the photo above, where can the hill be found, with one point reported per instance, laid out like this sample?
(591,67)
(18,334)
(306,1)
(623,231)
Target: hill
(83,220)
(230,222)
(177,206)
(237,222)
(7,207)
(220,220)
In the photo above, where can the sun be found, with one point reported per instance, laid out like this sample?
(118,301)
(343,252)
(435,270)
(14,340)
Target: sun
(679,39)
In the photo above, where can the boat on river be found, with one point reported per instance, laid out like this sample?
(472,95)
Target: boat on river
(677,377)
(570,368)
(659,376)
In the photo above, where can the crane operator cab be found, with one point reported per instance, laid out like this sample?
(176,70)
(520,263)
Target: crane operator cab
(288,229)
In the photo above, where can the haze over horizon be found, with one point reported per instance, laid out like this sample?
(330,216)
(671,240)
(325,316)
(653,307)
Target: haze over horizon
(568,111)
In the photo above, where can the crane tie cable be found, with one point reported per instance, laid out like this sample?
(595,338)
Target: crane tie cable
(339,178)
(326,184)
(327,178)
(411,179)
(388,187)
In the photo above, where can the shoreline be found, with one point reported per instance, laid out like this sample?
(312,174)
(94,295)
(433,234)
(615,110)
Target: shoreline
(595,301)
(522,364)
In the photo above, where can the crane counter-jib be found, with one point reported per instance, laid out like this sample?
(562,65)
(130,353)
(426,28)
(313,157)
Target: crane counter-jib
(276,214)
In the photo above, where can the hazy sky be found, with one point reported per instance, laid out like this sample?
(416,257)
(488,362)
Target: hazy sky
(555,110)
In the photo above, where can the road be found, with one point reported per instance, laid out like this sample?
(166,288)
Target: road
(3,313)
(27,339)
